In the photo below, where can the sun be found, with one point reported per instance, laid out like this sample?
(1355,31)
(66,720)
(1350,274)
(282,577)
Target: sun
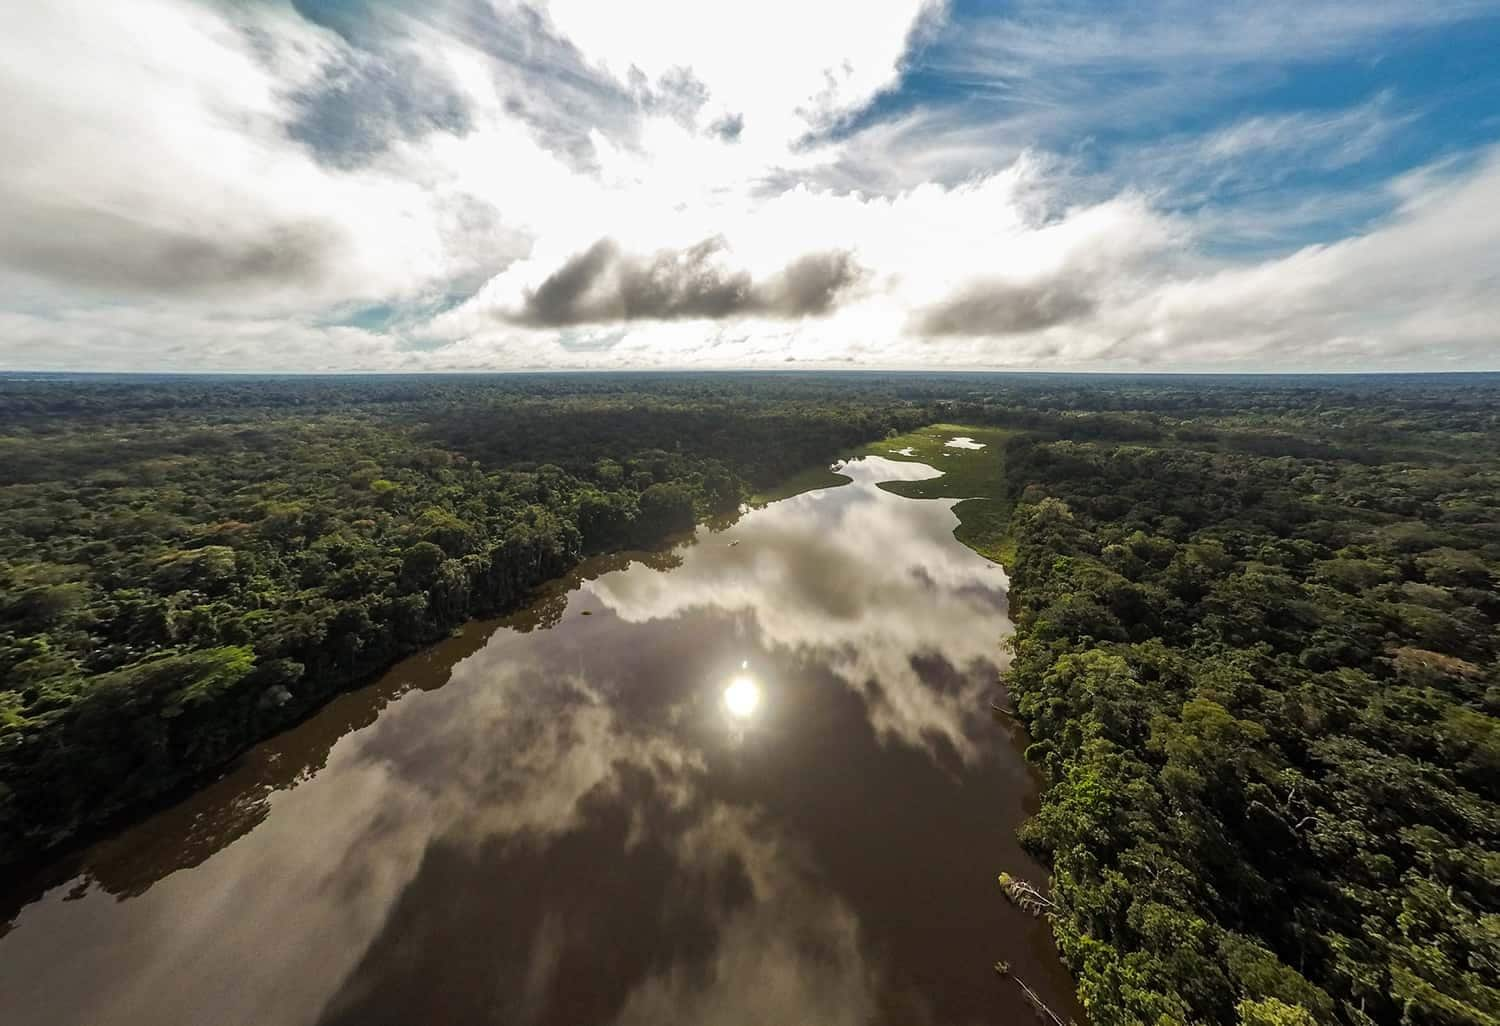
(742,697)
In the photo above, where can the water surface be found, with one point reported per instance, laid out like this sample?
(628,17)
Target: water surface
(752,780)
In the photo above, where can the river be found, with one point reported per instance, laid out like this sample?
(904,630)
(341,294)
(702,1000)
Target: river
(749,780)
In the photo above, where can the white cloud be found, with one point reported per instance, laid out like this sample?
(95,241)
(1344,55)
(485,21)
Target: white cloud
(788,67)
(1256,153)
(167,338)
(1419,292)
(1055,32)
(163,165)
(223,194)
(1067,74)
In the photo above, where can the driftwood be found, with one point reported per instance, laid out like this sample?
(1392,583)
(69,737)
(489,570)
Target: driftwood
(1002,705)
(1038,1006)
(1029,898)
(1042,1011)
(1025,896)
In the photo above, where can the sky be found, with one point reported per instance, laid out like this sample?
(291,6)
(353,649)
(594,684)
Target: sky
(456,185)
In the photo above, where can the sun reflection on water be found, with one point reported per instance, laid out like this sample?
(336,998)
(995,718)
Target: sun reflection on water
(742,697)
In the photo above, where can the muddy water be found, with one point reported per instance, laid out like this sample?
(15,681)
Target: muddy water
(752,780)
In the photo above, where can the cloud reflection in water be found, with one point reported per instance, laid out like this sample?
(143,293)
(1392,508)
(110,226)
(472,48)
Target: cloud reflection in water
(860,579)
(561,833)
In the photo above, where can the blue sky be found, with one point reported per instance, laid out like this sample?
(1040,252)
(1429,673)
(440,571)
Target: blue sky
(329,185)
(1415,91)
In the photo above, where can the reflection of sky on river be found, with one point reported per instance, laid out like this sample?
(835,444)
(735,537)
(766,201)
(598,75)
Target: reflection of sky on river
(854,577)
(576,828)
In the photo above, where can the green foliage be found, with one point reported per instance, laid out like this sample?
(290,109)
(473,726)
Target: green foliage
(187,565)
(1256,647)
(1273,1012)
(665,508)
(1263,685)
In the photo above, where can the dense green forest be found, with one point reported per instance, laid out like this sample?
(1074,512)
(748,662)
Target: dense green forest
(1257,652)
(1257,646)
(188,565)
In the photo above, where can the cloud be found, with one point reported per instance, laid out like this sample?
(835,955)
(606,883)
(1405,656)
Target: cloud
(1158,32)
(679,94)
(809,286)
(557,184)
(520,63)
(1253,152)
(1005,308)
(603,284)
(365,102)
(729,127)
(785,66)
(869,621)
(1114,285)
(759,970)
(172,336)
(117,253)
(1420,291)
(1098,80)
(187,177)
(1272,180)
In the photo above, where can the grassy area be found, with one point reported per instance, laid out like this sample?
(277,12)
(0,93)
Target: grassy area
(967,473)
(975,476)
(984,526)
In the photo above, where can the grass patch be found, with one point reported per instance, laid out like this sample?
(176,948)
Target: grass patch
(975,476)
(984,526)
(967,473)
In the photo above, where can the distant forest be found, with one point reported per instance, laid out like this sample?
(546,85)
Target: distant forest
(1257,648)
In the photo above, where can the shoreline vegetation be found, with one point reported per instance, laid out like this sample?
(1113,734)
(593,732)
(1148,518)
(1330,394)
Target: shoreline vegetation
(1257,644)
(241,551)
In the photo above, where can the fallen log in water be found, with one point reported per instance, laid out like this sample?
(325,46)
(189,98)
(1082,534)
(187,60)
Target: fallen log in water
(1038,1006)
(1025,896)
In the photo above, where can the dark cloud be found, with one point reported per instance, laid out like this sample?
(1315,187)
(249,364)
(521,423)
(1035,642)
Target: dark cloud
(371,100)
(604,284)
(810,285)
(1004,308)
(109,252)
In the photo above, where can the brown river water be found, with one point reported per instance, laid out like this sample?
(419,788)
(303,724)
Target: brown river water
(750,781)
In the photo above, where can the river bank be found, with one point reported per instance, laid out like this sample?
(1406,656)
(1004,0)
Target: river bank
(736,755)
